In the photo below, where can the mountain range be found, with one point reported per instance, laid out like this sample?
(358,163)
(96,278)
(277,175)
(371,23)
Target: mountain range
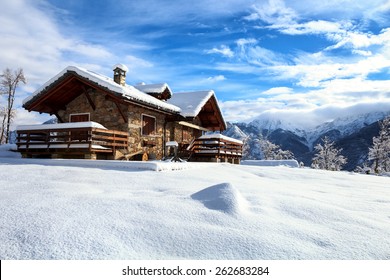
(353,134)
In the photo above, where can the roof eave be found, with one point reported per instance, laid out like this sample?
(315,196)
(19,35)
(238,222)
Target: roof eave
(29,102)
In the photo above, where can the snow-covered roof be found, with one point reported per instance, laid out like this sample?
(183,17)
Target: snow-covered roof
(186,104)
(153,88)
(127,91)
(191,102)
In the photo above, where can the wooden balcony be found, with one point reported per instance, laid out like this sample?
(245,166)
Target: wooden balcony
(70,140)
(216,147)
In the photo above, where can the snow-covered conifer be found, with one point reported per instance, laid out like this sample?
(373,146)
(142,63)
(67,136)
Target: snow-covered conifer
(246,148)
(328,157)
(379,153)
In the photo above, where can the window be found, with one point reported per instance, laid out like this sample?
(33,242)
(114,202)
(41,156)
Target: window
(148,125)
(84,117)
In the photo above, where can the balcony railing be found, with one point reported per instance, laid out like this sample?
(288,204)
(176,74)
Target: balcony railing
(216,146)
(82,137)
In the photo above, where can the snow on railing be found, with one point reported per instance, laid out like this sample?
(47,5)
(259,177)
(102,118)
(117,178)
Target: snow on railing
(217,145)
(89,136)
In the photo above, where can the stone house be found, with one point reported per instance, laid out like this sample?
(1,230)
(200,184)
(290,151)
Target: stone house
(148,116)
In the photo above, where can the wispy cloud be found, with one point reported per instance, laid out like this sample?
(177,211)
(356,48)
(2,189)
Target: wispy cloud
(278,91)
(369,53)
(273,12)
(306,109)
(275,15)
(215,79)
(32,40)
(222,50)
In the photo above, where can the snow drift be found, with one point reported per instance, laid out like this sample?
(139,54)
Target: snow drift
(222,197)
(286,162)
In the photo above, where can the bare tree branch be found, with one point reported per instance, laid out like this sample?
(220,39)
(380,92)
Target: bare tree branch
(8,84)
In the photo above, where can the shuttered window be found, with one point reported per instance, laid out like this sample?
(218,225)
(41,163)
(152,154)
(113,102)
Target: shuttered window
(148,125)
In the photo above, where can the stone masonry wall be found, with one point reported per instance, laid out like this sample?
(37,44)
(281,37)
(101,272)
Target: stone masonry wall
(106,112)
(151,144)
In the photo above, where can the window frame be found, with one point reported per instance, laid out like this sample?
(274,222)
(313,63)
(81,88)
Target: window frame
(153,132)
(80,114)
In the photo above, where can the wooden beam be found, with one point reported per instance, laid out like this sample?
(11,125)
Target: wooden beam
(193,126)
(117,102)
(58,117)
(121,112)
(108,97)
(86,93)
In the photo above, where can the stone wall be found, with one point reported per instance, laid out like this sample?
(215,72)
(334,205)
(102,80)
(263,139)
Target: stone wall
(106,112)
(178,133)
(150,144)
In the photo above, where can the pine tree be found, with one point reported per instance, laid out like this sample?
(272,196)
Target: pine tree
(328,157)
(379,153)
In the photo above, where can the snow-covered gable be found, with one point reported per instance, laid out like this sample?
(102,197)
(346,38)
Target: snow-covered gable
(191,102)
(127,92)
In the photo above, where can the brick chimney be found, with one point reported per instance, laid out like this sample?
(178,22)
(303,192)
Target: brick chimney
(120,73)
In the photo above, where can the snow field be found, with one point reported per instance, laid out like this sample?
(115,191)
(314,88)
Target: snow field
(67,210)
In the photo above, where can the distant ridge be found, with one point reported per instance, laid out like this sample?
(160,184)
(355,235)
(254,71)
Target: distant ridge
(352,133)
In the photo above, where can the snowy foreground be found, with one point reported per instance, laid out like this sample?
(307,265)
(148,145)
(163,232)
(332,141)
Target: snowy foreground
(64,209)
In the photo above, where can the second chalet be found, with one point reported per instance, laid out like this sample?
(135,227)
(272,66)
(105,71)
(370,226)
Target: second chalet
(105,118)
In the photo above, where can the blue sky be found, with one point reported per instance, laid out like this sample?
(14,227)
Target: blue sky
(305,61)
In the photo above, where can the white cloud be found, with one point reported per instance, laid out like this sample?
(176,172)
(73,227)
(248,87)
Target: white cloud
(25,117)
(312,27)
(320,71)
(338,97)
(215,79)
(273,12)
(357,40)
(362,53)
(33,40)
(244,41)
(223,50)
(307,116)
(135,62)
(344,33)
(278,90)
